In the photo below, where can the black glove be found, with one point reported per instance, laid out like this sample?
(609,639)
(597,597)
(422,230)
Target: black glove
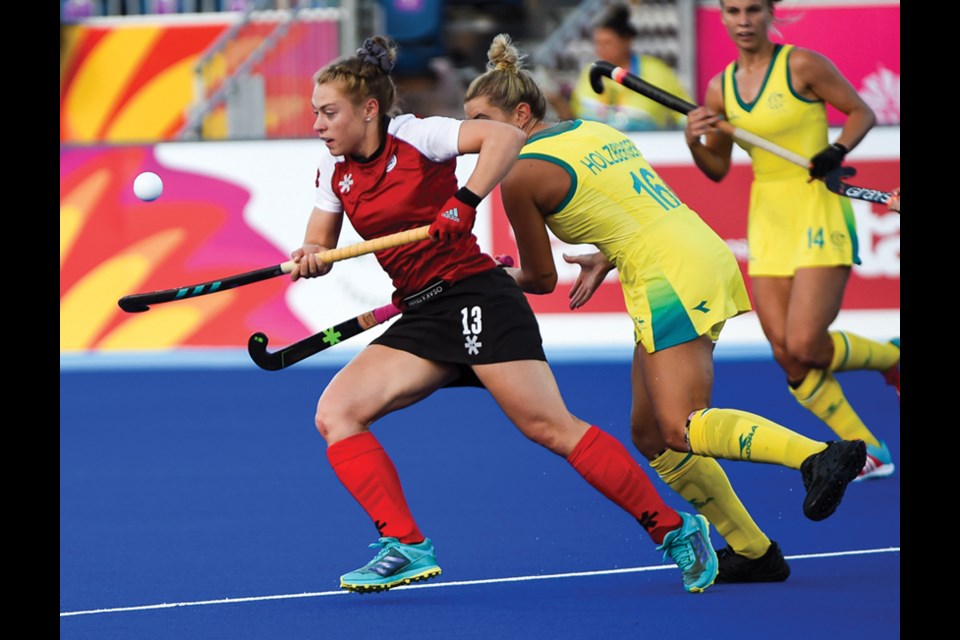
(827,160)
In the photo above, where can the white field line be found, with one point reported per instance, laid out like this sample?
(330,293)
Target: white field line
(445,585)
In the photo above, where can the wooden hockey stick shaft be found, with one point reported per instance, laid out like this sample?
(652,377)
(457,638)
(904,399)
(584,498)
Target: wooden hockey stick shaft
(139,302)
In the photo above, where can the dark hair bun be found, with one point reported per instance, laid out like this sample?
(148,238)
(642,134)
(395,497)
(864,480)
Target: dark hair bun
(375,53)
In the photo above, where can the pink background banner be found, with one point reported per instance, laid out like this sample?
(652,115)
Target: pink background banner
(112,245)
(862,40)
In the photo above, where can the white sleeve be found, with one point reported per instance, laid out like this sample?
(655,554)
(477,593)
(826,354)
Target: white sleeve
(436,137)
(325,199)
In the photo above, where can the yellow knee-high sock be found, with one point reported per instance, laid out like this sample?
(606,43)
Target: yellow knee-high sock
(703,483)
(852,352)
(822,395)
(738,435)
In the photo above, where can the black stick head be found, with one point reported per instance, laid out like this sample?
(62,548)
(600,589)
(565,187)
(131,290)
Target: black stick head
(834,178)
(257,348)
(599,69)
(130,305)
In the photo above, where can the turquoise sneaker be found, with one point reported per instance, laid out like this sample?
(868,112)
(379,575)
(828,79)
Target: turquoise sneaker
(892,375)
(690,547)
(879,463)
(395,564)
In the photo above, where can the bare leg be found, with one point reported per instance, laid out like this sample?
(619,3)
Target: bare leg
(802,344)
(679,380)
(528,394)
(699,480)
(796,314)
(644,429)
(379,380)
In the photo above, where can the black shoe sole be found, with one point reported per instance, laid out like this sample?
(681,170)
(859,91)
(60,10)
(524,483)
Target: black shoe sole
(780,575)
(771,567)
(822,505)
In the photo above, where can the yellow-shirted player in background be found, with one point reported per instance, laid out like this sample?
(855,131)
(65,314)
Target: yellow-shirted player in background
(589,184)
(613,40)
(802,238)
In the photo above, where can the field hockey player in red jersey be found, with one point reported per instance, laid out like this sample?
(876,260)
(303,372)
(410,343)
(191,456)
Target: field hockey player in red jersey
(466,322)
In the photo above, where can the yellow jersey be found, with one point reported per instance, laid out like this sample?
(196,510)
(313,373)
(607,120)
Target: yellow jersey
(679,278)
(778,114)
(794,222)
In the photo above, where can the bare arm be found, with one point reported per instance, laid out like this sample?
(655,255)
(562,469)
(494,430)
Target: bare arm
(498,146)
(710,148)
(594,267)
(519,190)
(323,232)
(534,187)
(816,77)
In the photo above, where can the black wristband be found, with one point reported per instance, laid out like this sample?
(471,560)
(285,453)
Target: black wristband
(842,149)
(468,197)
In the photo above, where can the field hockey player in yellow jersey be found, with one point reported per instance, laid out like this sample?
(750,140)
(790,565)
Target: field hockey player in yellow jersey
(613,40)
(589,184)
(802,238)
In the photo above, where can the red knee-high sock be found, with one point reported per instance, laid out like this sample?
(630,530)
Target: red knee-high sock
(608,466)
(367,472)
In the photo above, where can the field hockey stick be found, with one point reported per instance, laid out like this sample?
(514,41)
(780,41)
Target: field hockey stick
(835,182)
(601,68)
(138,302)
(294,353)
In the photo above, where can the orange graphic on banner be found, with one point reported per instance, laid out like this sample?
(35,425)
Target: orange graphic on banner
(131,84)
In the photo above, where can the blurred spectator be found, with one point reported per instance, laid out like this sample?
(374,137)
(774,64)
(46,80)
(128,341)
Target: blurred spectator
(436,90)
(613,40)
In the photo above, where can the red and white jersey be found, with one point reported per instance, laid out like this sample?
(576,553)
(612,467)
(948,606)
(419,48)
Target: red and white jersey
(404,187)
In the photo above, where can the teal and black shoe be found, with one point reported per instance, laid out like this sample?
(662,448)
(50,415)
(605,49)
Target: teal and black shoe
(690,547)
(395,564)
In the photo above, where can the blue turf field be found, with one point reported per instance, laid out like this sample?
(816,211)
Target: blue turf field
(198,503)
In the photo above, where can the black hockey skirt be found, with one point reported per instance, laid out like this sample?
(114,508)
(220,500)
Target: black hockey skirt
(483,319)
